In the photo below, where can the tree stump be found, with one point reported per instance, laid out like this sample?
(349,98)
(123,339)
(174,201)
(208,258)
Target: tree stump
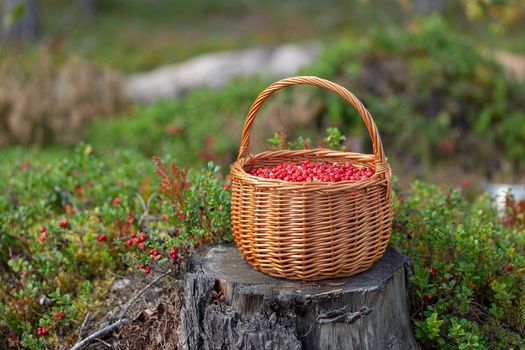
(229,305)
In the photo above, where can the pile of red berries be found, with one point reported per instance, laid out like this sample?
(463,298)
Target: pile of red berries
(314,172)
(42,331)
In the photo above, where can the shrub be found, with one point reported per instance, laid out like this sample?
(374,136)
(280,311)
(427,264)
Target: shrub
(433,89)
(468,281)
(66,222)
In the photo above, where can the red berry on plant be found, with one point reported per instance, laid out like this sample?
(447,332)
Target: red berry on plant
(509,267)
(25,273)
(164,216)
(153,252)
(130,242)
(142,246)
(174,254)
(101,238)
(42,331)
(133,235)
(429,296)
(433,272)
(63,223)
(227,187)
(116,201)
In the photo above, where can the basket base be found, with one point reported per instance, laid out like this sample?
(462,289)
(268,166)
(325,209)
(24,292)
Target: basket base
(366,311)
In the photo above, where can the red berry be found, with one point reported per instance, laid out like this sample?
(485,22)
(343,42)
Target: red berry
(25,273)
(130,242)
(227,187)
(308,172)
(133,235)
(43,230)
(433,272)
(63,223)
(42,331)
(116,201)
(56,314)
(101,238)
(142,246)
(509,267)
(174,254)
(429,296)
(153,252)
(164,216)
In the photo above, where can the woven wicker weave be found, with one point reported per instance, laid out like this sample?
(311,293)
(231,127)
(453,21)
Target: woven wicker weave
(311,230)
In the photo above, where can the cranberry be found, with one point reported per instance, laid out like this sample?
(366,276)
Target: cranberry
(153,252)
(130,242)
(101,238)
(174,254)
(429,296)
(313,172)
(59,315)
(433,272)
(133,235)
(63,223)
(42,331)
(116,201)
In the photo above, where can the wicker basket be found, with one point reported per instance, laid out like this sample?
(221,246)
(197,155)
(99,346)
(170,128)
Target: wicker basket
(311,230)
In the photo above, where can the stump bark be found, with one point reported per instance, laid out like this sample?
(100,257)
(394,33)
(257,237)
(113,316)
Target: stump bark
(229,305)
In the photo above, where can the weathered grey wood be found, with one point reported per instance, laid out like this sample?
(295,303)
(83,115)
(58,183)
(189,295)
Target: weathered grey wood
(366,311)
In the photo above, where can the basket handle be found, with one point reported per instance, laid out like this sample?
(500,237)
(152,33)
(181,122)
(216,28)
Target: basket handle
(379,153)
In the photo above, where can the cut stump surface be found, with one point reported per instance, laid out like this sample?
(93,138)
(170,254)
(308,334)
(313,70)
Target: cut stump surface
(229,305)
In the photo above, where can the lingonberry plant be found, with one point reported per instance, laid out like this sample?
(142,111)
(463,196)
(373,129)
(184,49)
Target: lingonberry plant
(314,172)
(69,226)
(468,281)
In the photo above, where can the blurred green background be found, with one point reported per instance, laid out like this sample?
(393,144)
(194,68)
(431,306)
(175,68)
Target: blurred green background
(443,79)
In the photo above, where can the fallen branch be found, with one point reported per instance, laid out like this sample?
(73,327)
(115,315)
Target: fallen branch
(98,333)
(120,321)
(135,298)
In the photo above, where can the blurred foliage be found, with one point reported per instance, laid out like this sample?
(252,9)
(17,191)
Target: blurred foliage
(53,98)
(426,87)
(468,281)
(432,89)
(203,126)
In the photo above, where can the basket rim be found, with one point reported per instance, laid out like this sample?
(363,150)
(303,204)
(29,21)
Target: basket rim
(382,175)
